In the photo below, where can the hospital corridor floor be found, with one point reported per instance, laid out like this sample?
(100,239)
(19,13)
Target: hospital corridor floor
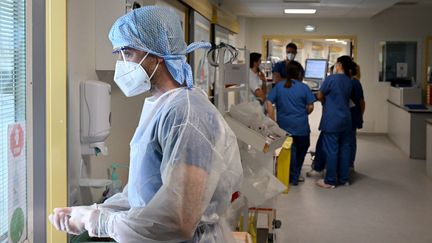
(389,201)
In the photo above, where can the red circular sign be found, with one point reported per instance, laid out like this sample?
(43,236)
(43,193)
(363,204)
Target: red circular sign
(16,140)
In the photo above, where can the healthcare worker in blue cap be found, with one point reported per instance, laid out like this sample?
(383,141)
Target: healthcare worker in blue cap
(184,159)
(335,125)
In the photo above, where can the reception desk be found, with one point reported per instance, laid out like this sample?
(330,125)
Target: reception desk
(407,129)
(429,148)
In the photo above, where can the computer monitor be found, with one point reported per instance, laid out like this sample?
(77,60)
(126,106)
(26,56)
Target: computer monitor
(316,69)
(315,72)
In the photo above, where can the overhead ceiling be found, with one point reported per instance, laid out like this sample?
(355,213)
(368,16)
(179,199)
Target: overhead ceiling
(325,8)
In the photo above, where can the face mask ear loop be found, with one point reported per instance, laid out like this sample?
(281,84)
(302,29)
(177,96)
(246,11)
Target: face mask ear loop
(123,55)
(151,76)
(142,60)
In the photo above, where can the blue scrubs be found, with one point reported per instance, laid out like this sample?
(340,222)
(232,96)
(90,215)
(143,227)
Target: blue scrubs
(319,158)
(280,67)
(161,135)
(356,117)
(292,116)
(336,126)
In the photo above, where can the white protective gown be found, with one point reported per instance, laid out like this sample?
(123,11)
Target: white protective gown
(179,130)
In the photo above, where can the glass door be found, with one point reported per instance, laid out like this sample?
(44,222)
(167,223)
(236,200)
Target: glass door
(329,48)
(200,31)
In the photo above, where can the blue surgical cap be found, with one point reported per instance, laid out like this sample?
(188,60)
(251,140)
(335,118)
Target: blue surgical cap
(157,30)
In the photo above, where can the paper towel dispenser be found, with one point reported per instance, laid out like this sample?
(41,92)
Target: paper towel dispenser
(95,116)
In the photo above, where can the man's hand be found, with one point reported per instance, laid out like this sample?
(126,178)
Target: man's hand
(261,76)
(309,108)
(72,220)
(62,220)
(320,96)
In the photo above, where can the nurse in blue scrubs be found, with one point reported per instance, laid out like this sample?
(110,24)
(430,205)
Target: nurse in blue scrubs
(357,111)
(335,123)
(318,164)
(294,102)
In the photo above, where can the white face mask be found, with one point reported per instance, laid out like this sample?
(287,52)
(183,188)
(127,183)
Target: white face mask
(131,77)
(290,56)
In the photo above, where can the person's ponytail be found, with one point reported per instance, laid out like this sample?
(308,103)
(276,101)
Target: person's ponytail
(288,83)
(347,64)
(295,71)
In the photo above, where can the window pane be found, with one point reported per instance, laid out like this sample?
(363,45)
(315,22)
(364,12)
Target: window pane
(12,110)
(398,62)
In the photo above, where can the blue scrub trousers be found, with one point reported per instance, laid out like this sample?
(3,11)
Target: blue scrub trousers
(353,146)
(319,158)
(298,152)
(336,146)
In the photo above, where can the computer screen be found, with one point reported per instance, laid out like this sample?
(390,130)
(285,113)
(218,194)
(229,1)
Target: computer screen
(315,69)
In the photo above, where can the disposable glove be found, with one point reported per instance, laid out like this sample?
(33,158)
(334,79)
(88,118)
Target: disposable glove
(73,220)
(62,220)
(90,218)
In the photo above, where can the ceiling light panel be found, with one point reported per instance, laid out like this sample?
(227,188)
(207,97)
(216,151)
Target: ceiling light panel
(299,11)
(300,1)
(344,2)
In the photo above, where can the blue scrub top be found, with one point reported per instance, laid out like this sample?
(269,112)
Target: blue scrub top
(357,96)
(291,104)
(280,67)
(172,134)
(336,115)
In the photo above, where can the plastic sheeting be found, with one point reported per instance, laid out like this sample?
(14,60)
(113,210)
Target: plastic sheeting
(200,168)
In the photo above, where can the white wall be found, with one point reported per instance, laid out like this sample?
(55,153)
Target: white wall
(125,111)
(393,24)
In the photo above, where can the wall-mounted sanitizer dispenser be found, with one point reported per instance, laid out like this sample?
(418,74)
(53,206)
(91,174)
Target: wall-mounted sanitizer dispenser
(95,117)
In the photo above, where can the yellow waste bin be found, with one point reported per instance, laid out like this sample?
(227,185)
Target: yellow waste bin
(283,161)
